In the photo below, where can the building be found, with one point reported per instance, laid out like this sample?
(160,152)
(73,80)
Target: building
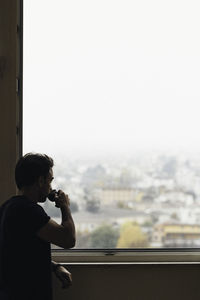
(117,196)
(176,235)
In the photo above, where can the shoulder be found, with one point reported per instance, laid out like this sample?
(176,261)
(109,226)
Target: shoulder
(23,212)
(22,207)
(18,204)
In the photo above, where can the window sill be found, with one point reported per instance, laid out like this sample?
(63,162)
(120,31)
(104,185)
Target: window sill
(127,256)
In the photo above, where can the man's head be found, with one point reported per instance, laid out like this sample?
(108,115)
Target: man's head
(35,170)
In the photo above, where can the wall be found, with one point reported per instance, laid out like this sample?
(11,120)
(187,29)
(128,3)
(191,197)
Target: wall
(9,98)
(132,282)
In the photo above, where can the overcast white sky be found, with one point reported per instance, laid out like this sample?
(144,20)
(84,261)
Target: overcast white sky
(111,76)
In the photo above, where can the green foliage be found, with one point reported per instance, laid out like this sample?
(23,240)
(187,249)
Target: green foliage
(92,205)
(121,204)
(174,216)
(131,236)
(82,239)
(104,236)
(148,224)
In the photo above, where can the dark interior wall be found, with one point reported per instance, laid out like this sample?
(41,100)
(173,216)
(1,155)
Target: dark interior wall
(9,98)
(132,282)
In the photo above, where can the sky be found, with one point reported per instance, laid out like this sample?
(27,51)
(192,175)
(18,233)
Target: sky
(111,76)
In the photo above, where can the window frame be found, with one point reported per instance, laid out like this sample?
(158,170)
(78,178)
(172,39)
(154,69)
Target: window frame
(11,74)
(128,256)
(97,256)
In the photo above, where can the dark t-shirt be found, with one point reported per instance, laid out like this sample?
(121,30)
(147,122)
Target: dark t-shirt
(25,258)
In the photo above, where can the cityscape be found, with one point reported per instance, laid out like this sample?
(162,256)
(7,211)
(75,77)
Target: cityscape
(145,201)
(130,82)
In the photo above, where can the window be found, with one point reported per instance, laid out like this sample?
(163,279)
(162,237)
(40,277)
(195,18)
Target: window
(111,92)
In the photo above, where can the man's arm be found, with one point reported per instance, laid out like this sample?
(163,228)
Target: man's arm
(62,274)
(61,235)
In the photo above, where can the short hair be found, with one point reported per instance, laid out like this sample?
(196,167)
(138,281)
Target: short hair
(30,167)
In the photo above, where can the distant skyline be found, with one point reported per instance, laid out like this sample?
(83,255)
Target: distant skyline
(111,77)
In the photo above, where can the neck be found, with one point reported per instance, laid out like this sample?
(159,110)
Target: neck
(30,193)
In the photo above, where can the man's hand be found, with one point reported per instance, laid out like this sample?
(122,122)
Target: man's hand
(62,199)
(64,276)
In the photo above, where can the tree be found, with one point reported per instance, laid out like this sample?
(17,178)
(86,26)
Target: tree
(92,200)
(174,216)
(92,205)
(105,236)
(82,239)
(131,236)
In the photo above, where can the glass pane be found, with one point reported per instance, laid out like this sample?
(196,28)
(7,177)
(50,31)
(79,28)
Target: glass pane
(111,92)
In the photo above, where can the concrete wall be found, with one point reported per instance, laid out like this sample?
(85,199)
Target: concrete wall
(132,282)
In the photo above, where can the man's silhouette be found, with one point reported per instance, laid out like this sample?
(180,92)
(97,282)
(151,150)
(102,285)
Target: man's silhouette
(26,232)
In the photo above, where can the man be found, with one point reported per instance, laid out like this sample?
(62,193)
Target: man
(26,232)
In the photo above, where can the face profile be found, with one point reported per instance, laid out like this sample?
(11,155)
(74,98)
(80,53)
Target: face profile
(45,186)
